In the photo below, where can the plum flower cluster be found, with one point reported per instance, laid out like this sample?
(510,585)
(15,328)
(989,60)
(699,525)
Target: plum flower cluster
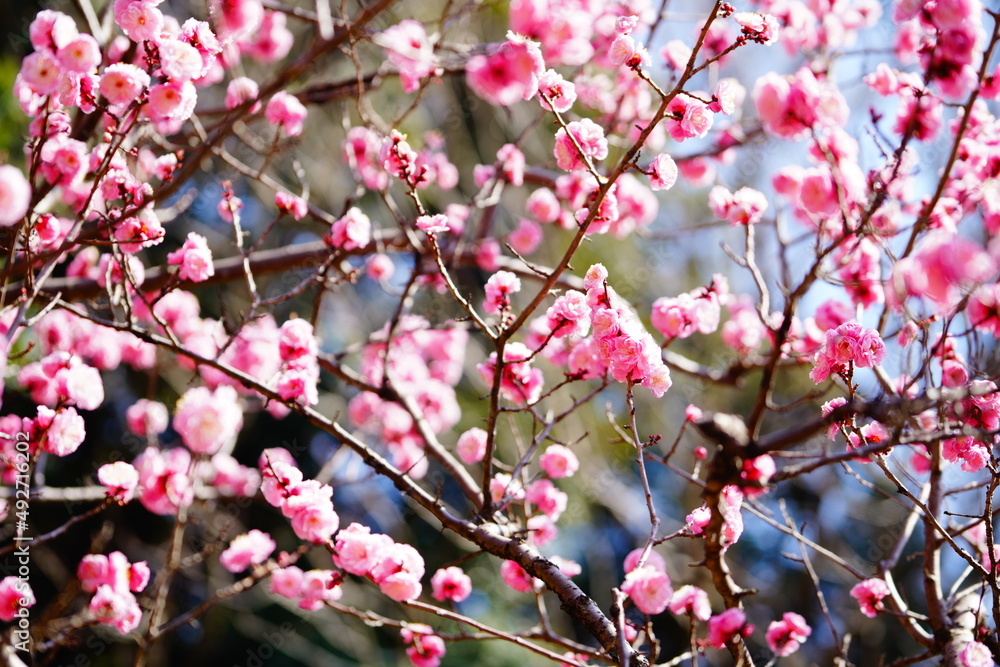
(298,377)
(311,589)
(622,342)
(423,647)
(145,83)
(113,580)
(848,346)
(394,567)
(307,503)
(424,364)
(247,549)
(167,478)
(732,528)
(698,311)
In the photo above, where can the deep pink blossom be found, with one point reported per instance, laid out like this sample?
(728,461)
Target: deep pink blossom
(849,343)
(451,583)
(15,595)
(869,594)
(725,627)
(424,648)
(516,577)
(508,74)
(286,112)
(785,636)
(291,205)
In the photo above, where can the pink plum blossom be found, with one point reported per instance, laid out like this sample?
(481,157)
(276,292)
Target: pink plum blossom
(589,138)
(139,20)
(147,417)
(451,583)
(164,483)
(499,287)
(249,548)
(516,577)
(869,594)
(352,231)
(662,172)
(194,259)
(208,420)
(358,550)
(423,647)
(725,627)
(556,91)
(285,111)
(171,101)
(81,55)
(526,238)
(559,461)
(649,589)
(975,654)
(242,90)
(287,581)
(472,445)
(398,572)
(509,74)
(15,595)
(744,207)
(41,72)
(785,636)
(291,205)
(15,195)
(692,601)
(433,224)
(62,431)
(318,587)
(409,50)
(121,480)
